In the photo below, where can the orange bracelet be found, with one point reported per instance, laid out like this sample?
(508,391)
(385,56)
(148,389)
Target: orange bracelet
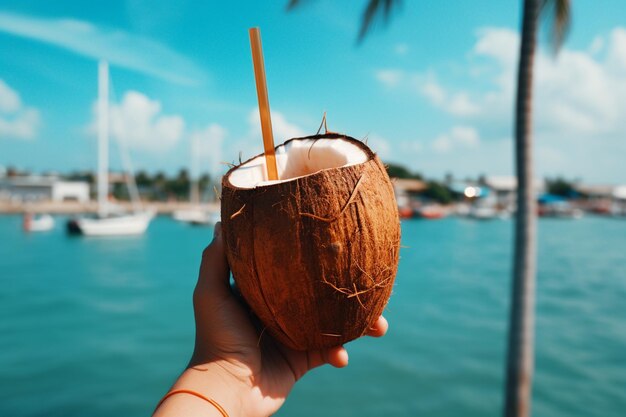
(186,391)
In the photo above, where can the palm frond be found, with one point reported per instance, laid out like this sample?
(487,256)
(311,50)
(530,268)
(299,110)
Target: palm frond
(293,3)
(374,9)
(560,20)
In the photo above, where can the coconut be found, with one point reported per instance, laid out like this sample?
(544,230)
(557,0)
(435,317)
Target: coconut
(315,253)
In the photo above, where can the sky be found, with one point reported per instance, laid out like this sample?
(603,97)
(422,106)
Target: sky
(433,89)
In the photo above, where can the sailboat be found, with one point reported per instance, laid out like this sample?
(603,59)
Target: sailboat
(109,221)
(197,214)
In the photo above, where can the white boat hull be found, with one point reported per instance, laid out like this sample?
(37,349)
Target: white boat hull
(42,223)
(482,213)
(208,219)
(189,215)
(121,225)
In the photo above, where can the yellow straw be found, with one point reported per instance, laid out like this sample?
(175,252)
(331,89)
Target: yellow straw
(264,104)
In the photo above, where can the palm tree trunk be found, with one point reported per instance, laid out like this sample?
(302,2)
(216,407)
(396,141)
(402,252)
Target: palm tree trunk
(521,327)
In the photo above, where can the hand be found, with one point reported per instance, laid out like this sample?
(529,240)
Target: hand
(258,371)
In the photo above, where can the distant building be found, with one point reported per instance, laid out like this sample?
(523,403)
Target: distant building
(406,189)
(619,192)
(595,191)
(504,190)
(619,200)
(603,198)
(36,188)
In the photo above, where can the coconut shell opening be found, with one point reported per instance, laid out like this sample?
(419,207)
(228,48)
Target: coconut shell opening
(297,158)
(314,254)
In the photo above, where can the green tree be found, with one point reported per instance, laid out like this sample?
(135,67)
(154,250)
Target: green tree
(400,171)
(438,192)
(120,192)
(204,181)
(560,186)
(86,176)
(521,327)
(143,179)
(179,186)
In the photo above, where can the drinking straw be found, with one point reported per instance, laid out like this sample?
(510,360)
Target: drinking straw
(264,104)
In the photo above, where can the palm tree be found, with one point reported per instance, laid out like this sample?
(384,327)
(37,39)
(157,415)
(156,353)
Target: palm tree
(521,327)
(520,356)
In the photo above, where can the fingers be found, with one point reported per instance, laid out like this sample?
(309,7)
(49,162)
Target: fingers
(379,328)
(214,270)
(337,357)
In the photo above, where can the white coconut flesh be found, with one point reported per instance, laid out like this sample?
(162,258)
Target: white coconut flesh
(299,158)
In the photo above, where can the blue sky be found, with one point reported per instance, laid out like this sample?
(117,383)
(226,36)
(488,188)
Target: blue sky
(433,90)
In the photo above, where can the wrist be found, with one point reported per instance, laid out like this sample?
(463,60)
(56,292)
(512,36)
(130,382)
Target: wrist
(214,381)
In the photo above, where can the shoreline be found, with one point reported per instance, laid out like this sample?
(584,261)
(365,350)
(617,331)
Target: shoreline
(72,207)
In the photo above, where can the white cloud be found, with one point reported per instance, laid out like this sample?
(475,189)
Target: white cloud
(578,107)
(24,125)
(465,135)
(401,48)
(597,45)
(411,147)
(576,94)
(458,104)
(501,44)
(16,120)
(281,128)
(138,123)
(9,99)
(433,91)
(379,145)
(206,145)
(390,77)
(617,50)
(442,143)
(119,47)
(251,143)
(457,137)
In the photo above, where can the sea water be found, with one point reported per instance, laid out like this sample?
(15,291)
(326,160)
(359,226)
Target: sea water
(102,326)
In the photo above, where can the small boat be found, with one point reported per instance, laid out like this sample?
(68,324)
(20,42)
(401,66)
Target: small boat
(560,211)
(41,223)
(405,212)
(190,215)
(558,207)
(210,218)
(482,212)
(430,212)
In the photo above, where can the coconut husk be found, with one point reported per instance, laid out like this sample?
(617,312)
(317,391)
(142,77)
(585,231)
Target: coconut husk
(315,257)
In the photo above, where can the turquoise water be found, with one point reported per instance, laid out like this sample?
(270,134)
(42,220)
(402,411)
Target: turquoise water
(101,327)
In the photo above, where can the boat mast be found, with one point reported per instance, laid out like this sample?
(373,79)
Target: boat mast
(194,174)
(103,137)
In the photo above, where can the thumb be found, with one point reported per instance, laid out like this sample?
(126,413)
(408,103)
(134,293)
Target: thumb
(214,270)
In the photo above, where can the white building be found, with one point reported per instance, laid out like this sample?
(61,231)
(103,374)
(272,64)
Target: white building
(504,189)
(405,189)
(619,200)
(37,188)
